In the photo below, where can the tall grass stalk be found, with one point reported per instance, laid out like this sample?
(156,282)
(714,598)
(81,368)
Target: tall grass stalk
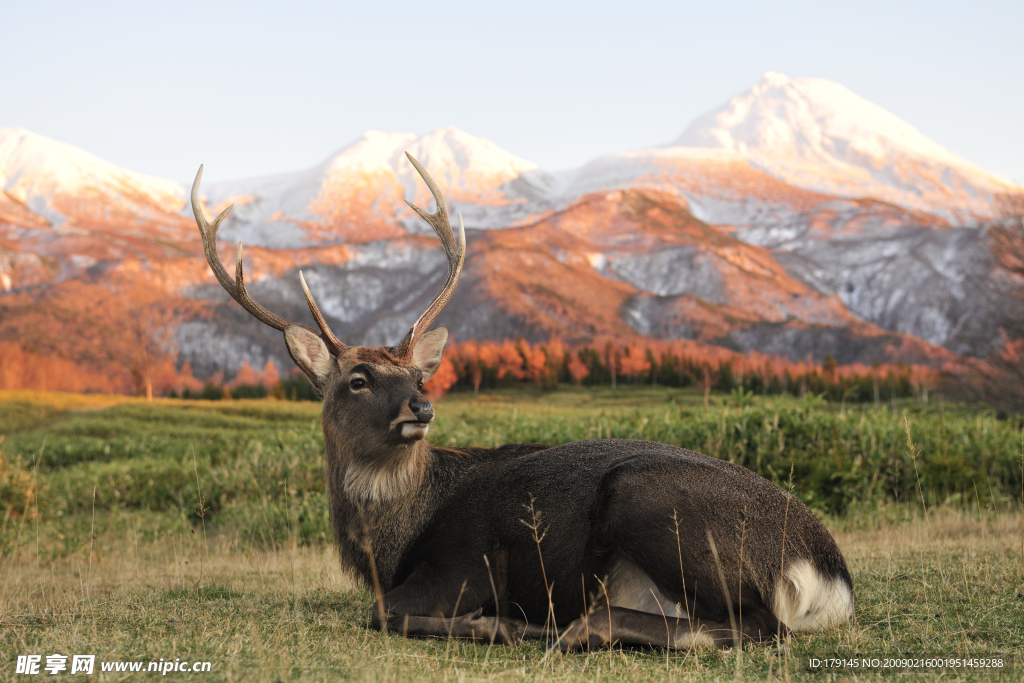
(913,455)
(201,512)
(534,526)
(737,637)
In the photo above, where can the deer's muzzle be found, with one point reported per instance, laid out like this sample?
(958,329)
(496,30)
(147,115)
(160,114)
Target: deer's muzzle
(417,428)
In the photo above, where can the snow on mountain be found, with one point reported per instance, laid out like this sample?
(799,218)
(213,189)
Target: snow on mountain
(817,134)
(469,168)
(357,194)
(58,181)
(65,212)
(721,187)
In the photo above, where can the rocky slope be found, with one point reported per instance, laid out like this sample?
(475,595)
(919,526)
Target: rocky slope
(610,265)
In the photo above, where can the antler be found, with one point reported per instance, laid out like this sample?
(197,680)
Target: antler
(456,254)
(236,287)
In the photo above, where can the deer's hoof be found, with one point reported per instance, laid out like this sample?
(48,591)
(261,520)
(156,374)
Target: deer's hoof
(578,637)
(486,629)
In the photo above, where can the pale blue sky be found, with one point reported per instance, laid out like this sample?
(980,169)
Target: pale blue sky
(251,88)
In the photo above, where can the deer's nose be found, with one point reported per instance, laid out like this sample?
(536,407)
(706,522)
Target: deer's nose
(423,410)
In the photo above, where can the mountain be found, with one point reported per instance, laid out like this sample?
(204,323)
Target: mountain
(817,134)
(58,182)
(356,195)
(710,240)
(614,264)
(851,200)
(64,211)
(903,270)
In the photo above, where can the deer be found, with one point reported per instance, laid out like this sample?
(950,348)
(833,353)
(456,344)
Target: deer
(588,544)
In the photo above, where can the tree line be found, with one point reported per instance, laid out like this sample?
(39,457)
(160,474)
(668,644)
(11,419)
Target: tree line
(475,366)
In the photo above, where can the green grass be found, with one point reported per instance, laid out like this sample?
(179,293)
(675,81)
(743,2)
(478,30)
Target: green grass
(839,455)
(199,530)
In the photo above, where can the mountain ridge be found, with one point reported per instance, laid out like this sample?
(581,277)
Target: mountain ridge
(669,242)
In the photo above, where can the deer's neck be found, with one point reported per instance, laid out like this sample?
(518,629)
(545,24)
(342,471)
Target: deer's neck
(370,481)
(379,508)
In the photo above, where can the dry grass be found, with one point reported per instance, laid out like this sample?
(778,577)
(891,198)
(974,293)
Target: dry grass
(61,401)
(951,583)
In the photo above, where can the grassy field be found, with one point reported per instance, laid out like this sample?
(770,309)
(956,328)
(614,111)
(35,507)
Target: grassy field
(198,530)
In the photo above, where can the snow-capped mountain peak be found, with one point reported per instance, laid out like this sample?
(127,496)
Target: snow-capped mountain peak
(458,161)
(42,173)
(817,134)
(462,161)
(374,150)
(372,173)
(455,159)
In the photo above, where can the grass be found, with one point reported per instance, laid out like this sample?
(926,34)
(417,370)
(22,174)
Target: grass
(198,530)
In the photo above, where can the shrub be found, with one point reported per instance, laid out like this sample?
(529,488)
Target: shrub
(249,391)
(295,388)
(18,490)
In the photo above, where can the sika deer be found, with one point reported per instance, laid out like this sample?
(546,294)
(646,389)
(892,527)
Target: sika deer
(600,541)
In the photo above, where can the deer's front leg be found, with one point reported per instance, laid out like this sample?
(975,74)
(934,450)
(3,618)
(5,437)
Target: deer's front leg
(433,604)
(467,626)
(607,626)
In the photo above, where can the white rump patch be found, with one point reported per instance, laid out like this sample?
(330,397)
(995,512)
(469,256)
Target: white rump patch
(807,601)
(630,587)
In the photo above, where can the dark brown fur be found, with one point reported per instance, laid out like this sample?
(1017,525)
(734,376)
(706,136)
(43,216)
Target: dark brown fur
(596,500)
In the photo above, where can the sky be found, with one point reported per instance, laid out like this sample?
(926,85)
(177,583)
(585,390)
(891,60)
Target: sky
(254,88)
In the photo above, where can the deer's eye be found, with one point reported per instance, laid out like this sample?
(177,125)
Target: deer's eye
(357,383)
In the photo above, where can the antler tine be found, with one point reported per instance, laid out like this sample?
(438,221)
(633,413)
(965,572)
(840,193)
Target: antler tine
(236,286)
(333,343)
(456,253)
(248,303)
(208,232)
(439,219)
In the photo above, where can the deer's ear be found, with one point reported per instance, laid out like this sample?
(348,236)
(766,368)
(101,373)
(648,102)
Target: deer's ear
(310,354)
(427,354)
